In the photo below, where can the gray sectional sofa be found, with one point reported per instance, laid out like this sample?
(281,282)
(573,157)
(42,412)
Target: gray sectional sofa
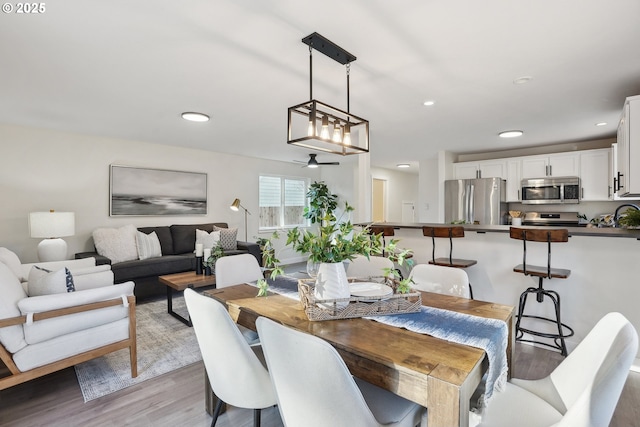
(177,243)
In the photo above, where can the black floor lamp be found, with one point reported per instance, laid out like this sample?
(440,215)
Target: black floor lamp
(235,206)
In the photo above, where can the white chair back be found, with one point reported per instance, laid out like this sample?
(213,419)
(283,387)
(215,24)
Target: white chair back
(316,389)
(442,280)
(590,380)
(360,266)
(236,374)
(236,269)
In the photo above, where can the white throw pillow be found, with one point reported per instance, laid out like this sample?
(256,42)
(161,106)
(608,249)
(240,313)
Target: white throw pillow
(12,261)
(208,240)
(148,245)
(117,244)
(46,282)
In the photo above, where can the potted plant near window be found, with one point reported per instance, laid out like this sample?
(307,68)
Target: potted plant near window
(334,241)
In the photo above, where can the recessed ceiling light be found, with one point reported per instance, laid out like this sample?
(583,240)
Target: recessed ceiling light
(195,117)
(522,80)
(602,124)
(403,165)
(428,103)
(510,134)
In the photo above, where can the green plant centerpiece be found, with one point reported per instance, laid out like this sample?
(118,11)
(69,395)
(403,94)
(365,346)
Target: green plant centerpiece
(336,240)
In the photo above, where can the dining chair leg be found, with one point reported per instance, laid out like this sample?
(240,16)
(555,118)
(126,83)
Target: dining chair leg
(216,412)
(256,417)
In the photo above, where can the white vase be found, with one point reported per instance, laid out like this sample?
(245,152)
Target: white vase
(332,283)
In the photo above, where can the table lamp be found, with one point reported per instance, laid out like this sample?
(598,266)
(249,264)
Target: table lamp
(52,226)
(235,206)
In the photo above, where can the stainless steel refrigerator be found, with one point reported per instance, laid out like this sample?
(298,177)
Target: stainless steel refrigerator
(475,201)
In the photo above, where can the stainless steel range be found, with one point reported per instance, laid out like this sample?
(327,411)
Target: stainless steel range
(557,219)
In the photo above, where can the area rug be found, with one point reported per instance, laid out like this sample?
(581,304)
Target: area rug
(164,344)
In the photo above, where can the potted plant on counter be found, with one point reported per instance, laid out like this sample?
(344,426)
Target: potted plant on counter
(336,240)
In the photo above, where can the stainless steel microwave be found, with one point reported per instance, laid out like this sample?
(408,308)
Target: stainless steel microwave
(558,190)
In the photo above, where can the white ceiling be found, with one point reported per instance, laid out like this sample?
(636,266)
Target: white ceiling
(128,68)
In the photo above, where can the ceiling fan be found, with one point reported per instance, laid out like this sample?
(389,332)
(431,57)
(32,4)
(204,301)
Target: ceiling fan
(313,163)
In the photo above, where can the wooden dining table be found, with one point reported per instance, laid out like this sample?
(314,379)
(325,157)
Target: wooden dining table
(437,374)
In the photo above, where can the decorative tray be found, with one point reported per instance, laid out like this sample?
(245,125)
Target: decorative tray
(357,306)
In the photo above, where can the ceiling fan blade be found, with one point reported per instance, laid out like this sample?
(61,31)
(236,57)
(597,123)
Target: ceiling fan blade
(329,163)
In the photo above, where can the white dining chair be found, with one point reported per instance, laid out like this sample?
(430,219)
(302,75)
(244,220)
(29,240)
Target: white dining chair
(234,270)
(439,279)
(236,375)
(315,388)
(581,392)
(362,267)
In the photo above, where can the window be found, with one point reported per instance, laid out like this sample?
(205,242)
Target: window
(282,202)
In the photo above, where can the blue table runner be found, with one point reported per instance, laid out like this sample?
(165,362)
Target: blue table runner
(490,335)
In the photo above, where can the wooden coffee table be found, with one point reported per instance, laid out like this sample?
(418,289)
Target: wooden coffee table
(181,281)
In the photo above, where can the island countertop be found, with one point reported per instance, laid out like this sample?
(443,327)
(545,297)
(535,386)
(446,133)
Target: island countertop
(573,231)
(603,262)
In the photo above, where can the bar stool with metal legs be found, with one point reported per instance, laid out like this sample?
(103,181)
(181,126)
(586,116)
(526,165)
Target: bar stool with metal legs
(450,232)
(542,272)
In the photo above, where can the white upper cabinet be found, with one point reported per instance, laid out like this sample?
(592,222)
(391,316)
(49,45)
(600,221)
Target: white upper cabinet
(513,179)
(480,169)
(594,178)
(627,175)
(559,164)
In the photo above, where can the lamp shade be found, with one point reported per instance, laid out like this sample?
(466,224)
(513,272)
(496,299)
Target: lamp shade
(235,205)
(51,224)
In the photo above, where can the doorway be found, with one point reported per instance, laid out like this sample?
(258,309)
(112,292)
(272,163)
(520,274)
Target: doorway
(379,200)
(408,212)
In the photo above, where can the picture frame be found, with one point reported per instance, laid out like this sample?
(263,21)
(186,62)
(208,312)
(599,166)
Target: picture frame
(136,191)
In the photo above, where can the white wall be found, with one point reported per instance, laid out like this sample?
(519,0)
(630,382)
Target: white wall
(401,187)
(42,170)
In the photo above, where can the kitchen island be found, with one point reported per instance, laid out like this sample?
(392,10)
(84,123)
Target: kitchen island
(604,264)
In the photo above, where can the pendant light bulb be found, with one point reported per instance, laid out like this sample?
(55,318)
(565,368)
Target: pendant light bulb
(337,132)
(311,131)
(347,134)
(324,131)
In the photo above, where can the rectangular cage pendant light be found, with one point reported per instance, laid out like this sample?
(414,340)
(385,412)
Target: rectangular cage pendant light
(319,126)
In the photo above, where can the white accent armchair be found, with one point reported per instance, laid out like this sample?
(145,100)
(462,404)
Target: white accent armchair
(46,333)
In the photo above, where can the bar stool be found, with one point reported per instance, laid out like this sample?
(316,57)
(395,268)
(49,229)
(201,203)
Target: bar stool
(450,232)
(542,272)
(387,231)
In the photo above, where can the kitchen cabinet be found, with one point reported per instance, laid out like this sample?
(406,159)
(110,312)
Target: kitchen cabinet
(559,164)
(594,179)
(513,179)
(627,175)
(480,169)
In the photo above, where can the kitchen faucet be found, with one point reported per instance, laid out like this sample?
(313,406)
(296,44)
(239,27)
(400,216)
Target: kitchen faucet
(615,215)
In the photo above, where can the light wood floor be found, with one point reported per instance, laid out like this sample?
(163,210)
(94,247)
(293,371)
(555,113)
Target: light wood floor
(177,399)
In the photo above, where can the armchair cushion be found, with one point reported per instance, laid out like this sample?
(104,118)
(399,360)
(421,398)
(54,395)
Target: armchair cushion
(45,282)
(11,291)
(69,345)
(43,330)
(11,260)
(74,265)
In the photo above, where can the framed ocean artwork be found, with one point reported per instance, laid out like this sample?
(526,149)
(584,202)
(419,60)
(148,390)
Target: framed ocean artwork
(141,191)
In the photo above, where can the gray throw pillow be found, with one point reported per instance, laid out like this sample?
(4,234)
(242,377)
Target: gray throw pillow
(228,238)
